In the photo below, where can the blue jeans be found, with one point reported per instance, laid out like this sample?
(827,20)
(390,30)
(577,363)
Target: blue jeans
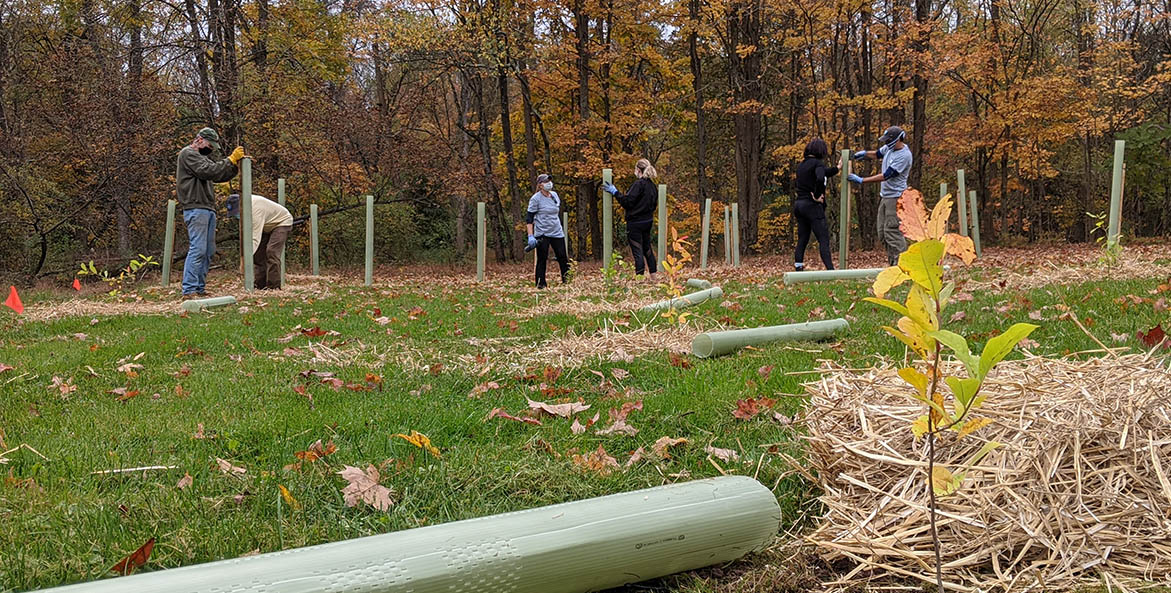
(200,247)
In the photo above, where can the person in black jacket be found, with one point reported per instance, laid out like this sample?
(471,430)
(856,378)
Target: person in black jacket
(640,203)
(809,208)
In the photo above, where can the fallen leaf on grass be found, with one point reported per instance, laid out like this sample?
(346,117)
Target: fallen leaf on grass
(4,367)
(618,423)
(565,410)
(313,332)
(303,391)
(747,409)
(722,454)
(661,447)
(620,374)
(782,419)
(483,388)
(957,316)
(419,440)
(1029,343)
(1036,315)
(65,386)
(635,457)
(415,313)
(316,451)
(135,560)
(364,487)
(124,393)
(577,428)
(765,371)
(500,413)
(599,462)
(130,368)
(199,432)
(185,481)
(288,496)
(1150,338)
(679,360)
(227,468)
(1119,337)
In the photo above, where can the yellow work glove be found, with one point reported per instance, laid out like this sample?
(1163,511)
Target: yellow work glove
(236,155)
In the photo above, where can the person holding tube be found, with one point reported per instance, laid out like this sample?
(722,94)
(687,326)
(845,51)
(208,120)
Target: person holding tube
(543,223)
(195,172)
(809,207)
(640,203)
(896,167)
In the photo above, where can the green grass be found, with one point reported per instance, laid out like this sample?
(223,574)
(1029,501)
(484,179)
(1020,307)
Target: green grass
(72,526)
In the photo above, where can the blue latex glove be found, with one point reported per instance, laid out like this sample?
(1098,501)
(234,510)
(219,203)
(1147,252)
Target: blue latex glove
(609,188)
(532,242)
(860,155)
(854,178)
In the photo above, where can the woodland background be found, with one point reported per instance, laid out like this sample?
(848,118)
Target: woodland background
(432,106)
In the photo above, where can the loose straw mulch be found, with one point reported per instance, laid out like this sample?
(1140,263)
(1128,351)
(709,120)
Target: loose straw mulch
(1078,491)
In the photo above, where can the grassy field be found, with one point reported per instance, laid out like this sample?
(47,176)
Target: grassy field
(410,353)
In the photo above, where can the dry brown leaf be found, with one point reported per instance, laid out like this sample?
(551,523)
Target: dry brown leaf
(722,454)
(364,487)
(136,559)
(565,410)
(185,481)
(578,428)
(500,413)
(661,447)
(227,468)
(598,461)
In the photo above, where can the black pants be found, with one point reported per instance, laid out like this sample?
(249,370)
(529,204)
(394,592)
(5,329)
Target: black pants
(638,234)
(811,217)
(558,245)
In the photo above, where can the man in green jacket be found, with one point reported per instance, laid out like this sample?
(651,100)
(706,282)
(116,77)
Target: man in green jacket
(195,172)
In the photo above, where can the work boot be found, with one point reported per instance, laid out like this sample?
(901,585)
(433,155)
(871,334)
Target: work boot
(190,296)
(800,266)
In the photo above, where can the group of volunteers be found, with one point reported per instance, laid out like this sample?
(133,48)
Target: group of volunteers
(196,171)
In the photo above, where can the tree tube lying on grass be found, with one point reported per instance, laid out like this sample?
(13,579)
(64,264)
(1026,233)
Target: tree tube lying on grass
(821,275)
(721,343)
(574,547)
(197,305)
(698,283)
(686,300)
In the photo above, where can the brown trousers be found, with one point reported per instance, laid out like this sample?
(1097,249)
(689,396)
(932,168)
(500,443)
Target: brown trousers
(266,262)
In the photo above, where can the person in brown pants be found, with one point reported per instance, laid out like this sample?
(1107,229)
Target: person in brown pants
(271,224)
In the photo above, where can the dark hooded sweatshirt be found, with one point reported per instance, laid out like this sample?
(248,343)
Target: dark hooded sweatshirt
(194,174)
(640,201)
(811,174)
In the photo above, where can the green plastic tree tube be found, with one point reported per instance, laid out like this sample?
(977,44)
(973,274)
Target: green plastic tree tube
(721,343)
(727,236)
(280,199)
(975,221)
(574,547)
(736,234)
(246,221)
(169,243)
(313,248)
(1114,229)
(662,252)
(607,221)
(822,275)
(197,305)
(698,283)
(707,233)
(565,229)
(961,203)
(481,242)
(844,213)
(369,281)
(686,300)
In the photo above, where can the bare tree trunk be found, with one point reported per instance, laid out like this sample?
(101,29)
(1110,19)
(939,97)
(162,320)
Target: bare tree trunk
(919,100)
(744,30)
(198,45)
(587,200)
(697,90)
(518,206)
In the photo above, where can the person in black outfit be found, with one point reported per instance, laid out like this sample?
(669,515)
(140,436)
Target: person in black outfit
(640,203)
(809,208)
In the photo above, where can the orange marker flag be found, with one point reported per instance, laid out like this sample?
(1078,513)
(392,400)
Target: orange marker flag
(13,301)
(77,285)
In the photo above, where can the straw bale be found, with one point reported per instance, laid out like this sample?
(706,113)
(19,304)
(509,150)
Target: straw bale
(1079,490)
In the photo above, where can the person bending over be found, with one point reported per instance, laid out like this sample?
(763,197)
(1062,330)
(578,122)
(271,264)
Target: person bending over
(896,166)
(271,224)
(809,207)
(639,203)
(543,222)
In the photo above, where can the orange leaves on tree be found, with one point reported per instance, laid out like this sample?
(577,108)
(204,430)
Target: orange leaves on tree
(917,225)
(135,560)
(363,487)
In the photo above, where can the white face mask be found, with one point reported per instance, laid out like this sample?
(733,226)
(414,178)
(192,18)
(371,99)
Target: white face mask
(547,186)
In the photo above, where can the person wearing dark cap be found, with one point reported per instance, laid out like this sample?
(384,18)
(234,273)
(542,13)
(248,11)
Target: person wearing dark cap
(271,224)
(195,172)
(543,222)
(809,207)
(640,202)
(896,167)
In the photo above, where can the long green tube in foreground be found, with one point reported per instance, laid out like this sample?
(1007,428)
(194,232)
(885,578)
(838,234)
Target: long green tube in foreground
(821,275)
(721,343)
(197,305)
(575,547)
(686,300)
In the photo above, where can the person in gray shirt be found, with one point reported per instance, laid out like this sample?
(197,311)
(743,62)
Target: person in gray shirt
(543,222)
(896,167)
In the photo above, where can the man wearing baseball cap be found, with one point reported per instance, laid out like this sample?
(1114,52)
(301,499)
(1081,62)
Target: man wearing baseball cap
(896,167)
(195,172)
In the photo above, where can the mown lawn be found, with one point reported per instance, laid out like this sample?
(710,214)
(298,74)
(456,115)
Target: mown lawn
(233,372)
